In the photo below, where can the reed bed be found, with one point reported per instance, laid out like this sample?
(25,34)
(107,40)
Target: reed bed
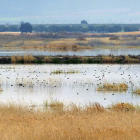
(13,59)
(25,58)
(18,122)
(109,59)
(57,47)
(64,72)
(55,105)
(131,60)
(113,87)
(123,107)
(137,91)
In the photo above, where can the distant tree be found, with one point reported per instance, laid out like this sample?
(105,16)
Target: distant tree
(26,27)
(84,22)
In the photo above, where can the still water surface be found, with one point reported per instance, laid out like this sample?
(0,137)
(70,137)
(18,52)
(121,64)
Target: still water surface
(94,52)
(34,84)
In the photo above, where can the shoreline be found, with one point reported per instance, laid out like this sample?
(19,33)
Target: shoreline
(110,59)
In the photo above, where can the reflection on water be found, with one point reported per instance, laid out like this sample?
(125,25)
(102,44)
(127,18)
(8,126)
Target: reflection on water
(94,52)
(35,84)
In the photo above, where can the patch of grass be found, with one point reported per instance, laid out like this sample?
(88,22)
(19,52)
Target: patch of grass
(54,105)
(128,59)
(23,59)
(56,47)
(137,91)
(92,108)
(28,58)
(113,87)
(84,124)
(63,71)
(123,107)
(109,59)
(13,59)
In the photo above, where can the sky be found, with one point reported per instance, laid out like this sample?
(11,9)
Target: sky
(70,11)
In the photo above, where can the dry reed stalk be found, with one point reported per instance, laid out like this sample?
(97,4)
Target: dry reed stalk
(137,91)
(19,58)
(19,123)
(113,87)
(13,59)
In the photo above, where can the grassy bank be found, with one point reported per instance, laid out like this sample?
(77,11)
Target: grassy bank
(94,122)
(29,59)
(69,41)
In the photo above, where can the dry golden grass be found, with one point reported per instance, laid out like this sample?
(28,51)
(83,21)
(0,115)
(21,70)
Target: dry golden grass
(57,47)
(126,33)
(113,87)
(18,43)
(19,58)
(9,33)
(109,59)
(137,91)
(13,59)
(68,41)
(119,33)
(131,60)
(55,105)
(25,58)
(123,107)
(28,58)
(90,124)
(47,59)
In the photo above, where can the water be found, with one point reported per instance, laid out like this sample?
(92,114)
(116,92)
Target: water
(94,52)
(34,84)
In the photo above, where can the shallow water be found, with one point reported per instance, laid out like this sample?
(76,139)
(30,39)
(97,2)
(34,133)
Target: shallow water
(34,84)
(94,52)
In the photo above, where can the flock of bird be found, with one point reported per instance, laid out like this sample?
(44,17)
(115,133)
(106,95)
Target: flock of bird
(88,76)
(39,79)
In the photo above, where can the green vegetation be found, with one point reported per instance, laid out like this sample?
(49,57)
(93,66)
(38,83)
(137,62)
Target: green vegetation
(83,27)
(71,59)
(26,27)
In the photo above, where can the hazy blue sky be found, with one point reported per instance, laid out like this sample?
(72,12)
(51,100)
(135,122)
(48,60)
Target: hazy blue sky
(70,11)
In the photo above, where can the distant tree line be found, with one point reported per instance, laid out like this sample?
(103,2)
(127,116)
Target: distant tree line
(9,28)
(77,28)
(83,28)
(130,29)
